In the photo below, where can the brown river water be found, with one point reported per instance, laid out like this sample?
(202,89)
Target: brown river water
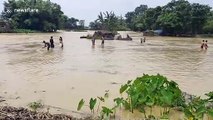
(61,77)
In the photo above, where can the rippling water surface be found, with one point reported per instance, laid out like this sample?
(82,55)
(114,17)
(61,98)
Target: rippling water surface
(61,77)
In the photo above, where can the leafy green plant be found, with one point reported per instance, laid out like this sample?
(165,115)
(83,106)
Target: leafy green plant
(196,109)
(92,104)
(119,102)
(210,103)
(150,91)
(35,105)
(106,112)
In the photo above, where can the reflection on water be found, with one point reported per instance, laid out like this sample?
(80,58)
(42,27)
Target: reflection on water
(82,71)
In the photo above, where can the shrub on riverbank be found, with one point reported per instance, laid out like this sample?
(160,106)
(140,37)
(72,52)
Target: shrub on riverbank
(150,91)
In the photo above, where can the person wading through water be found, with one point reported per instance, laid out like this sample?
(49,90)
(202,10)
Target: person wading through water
(202,44)
(61,42)
(102,42)
(47,45)
(52,42)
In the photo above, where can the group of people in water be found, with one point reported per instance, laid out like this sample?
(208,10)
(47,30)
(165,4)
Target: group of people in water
(48,45)
(143,40)
(204,45)
(51,44)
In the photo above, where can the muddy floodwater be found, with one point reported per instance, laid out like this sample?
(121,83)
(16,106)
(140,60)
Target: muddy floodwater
(61,77)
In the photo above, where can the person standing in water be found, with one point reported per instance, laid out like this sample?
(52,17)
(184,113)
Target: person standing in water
(141,40)
(202,44)
(47,45)
(52,42)
(206,45)
(93,41)
(61,42)
(102,42)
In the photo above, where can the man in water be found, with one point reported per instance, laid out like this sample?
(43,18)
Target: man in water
(46,44)
(202,44)
(61,42)
(93,41)
(141,40)
(102,42)
(206,45)
(52,42)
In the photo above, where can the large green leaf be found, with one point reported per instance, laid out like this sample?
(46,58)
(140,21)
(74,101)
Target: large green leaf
(123,88)
(92,103)
(80,104)
(167,97)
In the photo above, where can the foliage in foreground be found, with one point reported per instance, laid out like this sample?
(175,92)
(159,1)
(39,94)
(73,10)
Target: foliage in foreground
(150,91)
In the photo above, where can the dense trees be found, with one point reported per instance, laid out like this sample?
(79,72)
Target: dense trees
(41,15)
(70,23)
(178,17)
(108,21)
(208,27)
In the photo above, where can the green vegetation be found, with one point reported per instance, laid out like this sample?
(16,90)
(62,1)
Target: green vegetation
(208,27)
(35,105)
(152,91)
(148,92)
(108,21)
(105,112)
(39,15)
(24,31)
(178,17)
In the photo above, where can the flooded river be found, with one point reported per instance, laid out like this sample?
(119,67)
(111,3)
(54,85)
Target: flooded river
(61,77)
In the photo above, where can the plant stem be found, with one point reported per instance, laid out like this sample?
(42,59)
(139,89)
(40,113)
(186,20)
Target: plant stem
(98,106)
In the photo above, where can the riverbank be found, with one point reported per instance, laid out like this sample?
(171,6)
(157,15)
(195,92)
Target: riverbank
(44,113)
(12,113)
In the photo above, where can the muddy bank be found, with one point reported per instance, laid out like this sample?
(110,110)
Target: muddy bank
(12,113)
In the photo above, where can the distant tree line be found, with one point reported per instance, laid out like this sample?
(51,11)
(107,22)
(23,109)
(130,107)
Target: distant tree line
(178,17)
(109,21)
(40,15)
